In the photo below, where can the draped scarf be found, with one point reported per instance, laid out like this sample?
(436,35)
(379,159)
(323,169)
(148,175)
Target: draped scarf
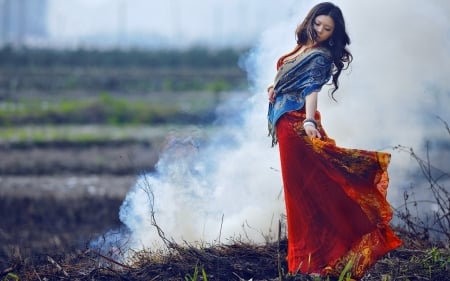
(295,80)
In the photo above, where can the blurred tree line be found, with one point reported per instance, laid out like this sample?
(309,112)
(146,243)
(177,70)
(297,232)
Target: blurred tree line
(194,58)
(125,71)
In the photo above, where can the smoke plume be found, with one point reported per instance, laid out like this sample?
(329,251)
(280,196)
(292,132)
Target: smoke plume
(224,183)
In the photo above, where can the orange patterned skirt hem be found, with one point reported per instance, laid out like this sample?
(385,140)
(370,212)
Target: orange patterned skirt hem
(337,212)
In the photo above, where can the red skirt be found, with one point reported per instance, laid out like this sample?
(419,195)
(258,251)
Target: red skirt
(337,212)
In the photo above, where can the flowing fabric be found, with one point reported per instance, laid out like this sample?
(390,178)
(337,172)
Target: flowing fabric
(337,212)
(295,80)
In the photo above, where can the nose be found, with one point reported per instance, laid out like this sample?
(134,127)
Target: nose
(319,29)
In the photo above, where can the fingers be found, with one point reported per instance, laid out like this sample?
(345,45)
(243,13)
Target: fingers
(318,134)
(313,133)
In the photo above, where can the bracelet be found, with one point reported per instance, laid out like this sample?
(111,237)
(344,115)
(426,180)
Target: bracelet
(311,121)
(310,124)
(270,86)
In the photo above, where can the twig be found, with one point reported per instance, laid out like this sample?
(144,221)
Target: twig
(239,277)
(151,198)
(37,275)
(111,260)
(220,231)
(441,222)
(445,124)
(58,267)
(7,270)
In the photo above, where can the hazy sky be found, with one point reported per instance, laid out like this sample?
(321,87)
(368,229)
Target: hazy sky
(153,22)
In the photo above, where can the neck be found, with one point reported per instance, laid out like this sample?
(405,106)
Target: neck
(310,43)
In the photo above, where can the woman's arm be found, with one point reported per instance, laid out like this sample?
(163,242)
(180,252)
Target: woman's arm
(310,124)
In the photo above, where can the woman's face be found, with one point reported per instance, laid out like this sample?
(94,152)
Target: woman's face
(324,27)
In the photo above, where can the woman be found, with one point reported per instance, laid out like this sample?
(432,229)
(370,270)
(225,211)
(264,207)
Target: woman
(337,213)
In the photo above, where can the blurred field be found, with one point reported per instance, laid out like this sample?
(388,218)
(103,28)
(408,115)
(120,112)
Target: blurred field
(78,126)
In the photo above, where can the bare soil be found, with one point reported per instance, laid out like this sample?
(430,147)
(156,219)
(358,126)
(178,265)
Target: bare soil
(117,158)
(55,199)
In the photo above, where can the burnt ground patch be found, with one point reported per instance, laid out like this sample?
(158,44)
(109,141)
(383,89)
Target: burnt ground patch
(53,225)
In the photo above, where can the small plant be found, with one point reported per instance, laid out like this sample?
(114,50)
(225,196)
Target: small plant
(11,277)
(435,257)
(346,274)
(195,276)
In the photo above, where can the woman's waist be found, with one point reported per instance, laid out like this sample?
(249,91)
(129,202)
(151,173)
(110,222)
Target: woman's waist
(301,114)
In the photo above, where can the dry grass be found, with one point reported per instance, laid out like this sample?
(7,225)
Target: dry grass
(415,260)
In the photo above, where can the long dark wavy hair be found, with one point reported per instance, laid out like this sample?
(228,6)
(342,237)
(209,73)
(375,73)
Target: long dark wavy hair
(336,44)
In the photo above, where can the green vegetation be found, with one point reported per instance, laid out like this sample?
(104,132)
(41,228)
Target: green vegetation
(59,80)
(196,58)
(83,133)
(346,274)
(110,110)
(195,276)
(115,87)
(196,69)
(11,276)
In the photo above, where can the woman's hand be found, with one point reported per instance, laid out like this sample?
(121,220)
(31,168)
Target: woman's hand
(312,132)
(271,94)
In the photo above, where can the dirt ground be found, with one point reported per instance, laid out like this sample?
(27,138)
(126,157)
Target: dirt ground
(56,199)
(75,158)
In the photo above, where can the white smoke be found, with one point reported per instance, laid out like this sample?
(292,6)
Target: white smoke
(225,183)
(209,188)
(397,86)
